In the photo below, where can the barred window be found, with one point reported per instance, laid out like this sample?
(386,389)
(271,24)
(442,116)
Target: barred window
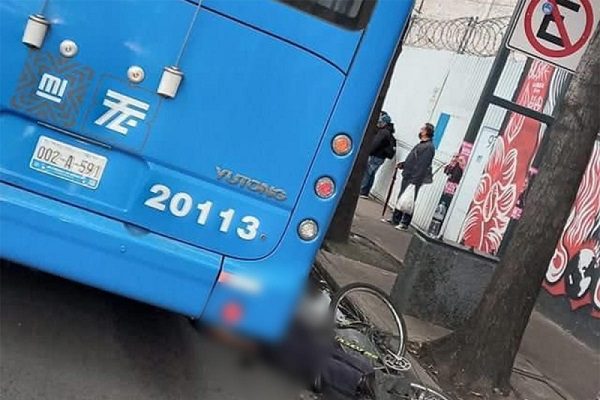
(351,14)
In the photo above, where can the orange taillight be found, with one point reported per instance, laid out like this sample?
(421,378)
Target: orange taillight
(341,144)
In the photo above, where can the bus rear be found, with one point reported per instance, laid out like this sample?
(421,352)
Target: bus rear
(185,155)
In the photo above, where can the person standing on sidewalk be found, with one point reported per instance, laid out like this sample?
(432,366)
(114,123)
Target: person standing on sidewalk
(383,146)
(416,170)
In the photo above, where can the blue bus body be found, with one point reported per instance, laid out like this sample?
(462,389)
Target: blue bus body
(189,203)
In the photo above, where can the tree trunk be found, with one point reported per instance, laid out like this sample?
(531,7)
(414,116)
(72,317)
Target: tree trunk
(339,229)
(480,355)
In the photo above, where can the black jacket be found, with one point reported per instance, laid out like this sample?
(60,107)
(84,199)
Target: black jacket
(418,163)
(454,172)
(384,143)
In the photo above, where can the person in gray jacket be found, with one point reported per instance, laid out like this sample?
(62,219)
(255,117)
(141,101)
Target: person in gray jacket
(416,170)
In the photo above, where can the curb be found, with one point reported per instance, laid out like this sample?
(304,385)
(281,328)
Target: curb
(323,273)
(378,247)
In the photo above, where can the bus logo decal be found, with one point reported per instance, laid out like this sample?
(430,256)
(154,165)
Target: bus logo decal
(52,88)
(234,179)
(122,110)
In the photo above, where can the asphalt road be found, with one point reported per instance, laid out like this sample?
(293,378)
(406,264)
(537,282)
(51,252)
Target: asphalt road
(60,340)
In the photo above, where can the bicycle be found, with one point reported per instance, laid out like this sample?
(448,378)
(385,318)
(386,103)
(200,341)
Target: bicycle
(356,330)
(381,340)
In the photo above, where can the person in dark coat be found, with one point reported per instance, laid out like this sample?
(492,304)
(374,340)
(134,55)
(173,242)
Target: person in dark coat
(382,147)
(416,170)
(455,169)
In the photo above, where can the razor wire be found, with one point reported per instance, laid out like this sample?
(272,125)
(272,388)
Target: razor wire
(462,35)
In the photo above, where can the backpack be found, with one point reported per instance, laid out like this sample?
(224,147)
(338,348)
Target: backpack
(389,150)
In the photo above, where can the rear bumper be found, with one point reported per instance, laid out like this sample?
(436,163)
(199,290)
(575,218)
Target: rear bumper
(104,253)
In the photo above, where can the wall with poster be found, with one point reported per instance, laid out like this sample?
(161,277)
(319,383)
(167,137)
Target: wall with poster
(574,272)
(506,175)
(571,293)
(482,148)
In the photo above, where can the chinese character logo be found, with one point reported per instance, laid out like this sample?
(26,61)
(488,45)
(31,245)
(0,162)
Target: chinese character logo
(122,110)
(52,88)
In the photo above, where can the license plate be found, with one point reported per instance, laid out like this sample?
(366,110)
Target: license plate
(68,162)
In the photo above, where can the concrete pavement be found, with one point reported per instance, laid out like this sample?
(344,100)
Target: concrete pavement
(64,341)
(367,223)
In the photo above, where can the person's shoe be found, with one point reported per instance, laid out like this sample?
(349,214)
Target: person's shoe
(364,196)
(387,221)
(402,227)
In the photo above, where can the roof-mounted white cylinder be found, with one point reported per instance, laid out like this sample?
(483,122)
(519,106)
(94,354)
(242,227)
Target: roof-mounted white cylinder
(35,31)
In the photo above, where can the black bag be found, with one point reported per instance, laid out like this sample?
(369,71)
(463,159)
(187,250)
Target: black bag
(390,150)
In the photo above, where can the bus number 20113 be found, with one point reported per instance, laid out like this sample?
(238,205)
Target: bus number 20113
(181,204)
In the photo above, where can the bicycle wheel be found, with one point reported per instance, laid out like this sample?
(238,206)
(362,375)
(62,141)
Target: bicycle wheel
(419,392)
(366,321)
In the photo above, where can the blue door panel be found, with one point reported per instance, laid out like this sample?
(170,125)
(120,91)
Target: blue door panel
(283,20)
(249,103)
(274,103)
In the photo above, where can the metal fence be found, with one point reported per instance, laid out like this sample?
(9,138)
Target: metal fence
(462,35)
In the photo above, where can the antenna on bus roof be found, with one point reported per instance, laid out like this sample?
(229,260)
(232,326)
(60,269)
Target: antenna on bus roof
(188,34)
(43,7)
(172,75)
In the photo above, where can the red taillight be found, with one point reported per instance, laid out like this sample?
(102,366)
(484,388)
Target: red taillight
(232,313)
(325,187)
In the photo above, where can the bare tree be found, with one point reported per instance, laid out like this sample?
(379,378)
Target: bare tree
(480,355)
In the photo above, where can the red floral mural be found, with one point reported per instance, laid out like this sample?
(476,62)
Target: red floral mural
(505,176)
(494,199)
(574,271)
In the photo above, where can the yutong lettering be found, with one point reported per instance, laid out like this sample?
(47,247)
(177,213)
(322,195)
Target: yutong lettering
(248,183)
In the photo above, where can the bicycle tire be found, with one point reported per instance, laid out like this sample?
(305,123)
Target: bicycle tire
(341,294)
(420,392)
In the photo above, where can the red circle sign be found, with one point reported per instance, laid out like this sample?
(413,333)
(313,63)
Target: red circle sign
(569,46)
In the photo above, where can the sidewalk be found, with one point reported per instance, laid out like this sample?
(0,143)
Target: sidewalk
(551,364)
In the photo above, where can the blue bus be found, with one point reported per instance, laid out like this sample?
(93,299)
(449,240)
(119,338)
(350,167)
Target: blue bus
(184,153)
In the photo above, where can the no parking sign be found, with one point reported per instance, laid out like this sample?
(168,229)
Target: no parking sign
(555,31)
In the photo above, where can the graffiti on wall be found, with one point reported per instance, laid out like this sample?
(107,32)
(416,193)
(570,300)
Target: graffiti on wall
(574,271)
(506,175)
